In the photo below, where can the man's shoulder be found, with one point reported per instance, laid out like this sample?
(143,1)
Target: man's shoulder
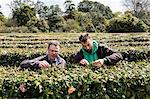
(61,61)
(60,58)
(41,57)
(102,45)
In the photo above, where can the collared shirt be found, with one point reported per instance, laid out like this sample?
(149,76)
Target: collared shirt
(57,61)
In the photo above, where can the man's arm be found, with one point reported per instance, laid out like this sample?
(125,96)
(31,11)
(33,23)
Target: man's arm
(62,64)
(29,63)
(112,56)
(34,63)
(78,57)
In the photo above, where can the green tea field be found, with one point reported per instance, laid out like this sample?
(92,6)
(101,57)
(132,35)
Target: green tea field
(129,78)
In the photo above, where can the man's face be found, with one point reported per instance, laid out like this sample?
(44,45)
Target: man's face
(53,51)
(87,45)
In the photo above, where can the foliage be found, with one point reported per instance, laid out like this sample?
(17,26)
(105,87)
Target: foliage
(12,59)
(139,8)
(21,29)
(97,12)
(2,24)
(55,10)
(90,6)
(85,21)
(70,8)
(33,29)
(92,16)
(72,26)
(41,9)
(146,19)
(2,17)
(130,78)
(123,81)
(42,25)
(55,23)
(24,14)
(17,4)
(126,23)
(98,21)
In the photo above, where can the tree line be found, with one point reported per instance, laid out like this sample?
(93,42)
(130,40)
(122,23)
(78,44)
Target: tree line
(89,16)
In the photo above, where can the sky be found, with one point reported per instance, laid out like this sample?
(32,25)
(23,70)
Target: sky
(115,5)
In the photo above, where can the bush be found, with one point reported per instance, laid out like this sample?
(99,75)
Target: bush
(124,81)
(71,25)
(33,29)
(85,21)
(42,25)
(126,23)
(2,24)
(14,29)
(11,23)
(12,59)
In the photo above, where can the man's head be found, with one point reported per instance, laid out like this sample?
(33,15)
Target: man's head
(86,42)
(53,49)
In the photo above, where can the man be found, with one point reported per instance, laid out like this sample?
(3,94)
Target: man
(52,58)
(95,54)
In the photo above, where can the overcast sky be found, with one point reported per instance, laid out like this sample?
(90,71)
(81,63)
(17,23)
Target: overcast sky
(115,5)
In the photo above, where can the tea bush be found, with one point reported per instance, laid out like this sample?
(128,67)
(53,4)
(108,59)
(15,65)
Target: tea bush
(128,79)
(123,81)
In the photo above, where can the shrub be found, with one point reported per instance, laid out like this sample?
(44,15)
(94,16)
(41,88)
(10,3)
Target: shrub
(72,25)
(33,29)
(126,23)
(124,81)
(14,29)
(12,59)
(42,25)
(1,24)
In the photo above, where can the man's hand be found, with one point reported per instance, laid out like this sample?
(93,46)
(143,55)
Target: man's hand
(43,64)
(84,62)
(98,63)
(23,88)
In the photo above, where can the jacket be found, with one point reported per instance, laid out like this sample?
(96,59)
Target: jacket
(110,56)
(34,63)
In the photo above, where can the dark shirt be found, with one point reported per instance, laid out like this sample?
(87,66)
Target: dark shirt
(34,63)
(110,56)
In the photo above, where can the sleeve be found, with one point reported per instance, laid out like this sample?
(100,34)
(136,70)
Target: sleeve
(112,56)
(63,63)
(30,64)
(34,63)
(78,57)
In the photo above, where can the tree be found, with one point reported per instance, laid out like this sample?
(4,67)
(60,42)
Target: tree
(41,9)
(42,25)
(137,7)
(70,8)
(55,23)
(24,14)
(55,10)
(55,20)
(140,9)
(126,23)
(71,26)
(17,4)
(98,13)
(2,17)
(85,21)
(90,6)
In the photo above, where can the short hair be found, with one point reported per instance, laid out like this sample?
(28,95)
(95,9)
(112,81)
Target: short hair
(84,37)
(56,43)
